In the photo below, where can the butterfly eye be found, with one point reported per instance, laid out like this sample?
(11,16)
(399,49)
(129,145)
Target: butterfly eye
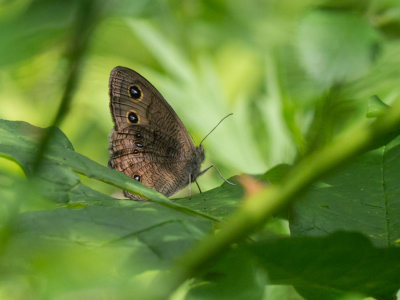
(132,117)
(136,177)
(135,92)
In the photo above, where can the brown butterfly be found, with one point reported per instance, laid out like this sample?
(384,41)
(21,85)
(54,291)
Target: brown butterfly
(149,142)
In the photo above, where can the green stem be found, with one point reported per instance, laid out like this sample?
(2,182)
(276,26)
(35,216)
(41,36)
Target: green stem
(256,209)
(88,14)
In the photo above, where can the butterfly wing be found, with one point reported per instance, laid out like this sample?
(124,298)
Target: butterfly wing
(149,142)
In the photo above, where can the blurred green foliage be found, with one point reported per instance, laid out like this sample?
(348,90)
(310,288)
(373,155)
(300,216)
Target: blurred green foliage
(294,73)
(271,63)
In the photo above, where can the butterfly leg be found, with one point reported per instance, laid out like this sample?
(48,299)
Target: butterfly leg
(198,186)
(219,173)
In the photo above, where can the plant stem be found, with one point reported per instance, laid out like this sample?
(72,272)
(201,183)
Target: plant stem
(256,209)
(88,14)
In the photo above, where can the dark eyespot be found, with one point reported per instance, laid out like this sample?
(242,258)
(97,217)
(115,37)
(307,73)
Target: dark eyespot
(135,92)
(136,151)
(133,118)
(136,177)
(138,135)
(139,145)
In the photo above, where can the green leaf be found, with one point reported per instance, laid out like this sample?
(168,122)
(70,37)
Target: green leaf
(277,292)
(363,196)
(335,46)
(235,276)
(328,267)
(219,202)
(154,235)
(143,235)
(376,107)
(19,141)
(132,237)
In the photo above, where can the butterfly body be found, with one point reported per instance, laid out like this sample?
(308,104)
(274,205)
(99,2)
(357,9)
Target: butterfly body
(149,142)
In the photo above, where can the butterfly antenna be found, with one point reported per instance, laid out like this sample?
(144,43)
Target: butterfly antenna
(215,127)
(219,173)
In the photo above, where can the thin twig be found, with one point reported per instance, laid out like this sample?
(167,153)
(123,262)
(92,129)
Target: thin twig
(87,17)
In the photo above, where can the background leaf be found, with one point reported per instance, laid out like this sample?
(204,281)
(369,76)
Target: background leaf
(362,196)
(336,46)
(347,260)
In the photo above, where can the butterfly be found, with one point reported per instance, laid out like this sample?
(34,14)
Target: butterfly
(149,142)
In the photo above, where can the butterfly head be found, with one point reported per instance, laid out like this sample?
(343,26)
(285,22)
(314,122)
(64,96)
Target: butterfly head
(200,153)
(198,158)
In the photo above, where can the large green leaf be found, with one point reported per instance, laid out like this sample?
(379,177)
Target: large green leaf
(128,236)
(335,46)
(328,267)
(363,196)
(234,276)
(153,235)
(95,247)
